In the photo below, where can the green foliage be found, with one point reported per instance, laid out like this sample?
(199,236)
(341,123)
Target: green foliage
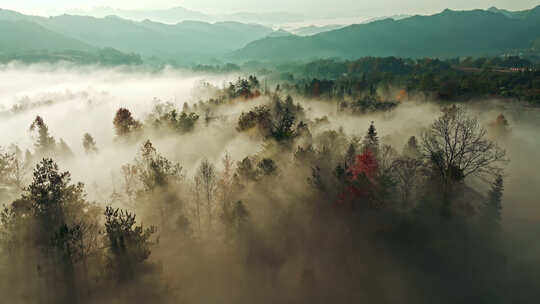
(447,34)
(245,88)
(129,245)
(376,84)
(180,122)
(276,122)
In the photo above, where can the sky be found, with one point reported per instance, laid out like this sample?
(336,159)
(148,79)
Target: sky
(305,7)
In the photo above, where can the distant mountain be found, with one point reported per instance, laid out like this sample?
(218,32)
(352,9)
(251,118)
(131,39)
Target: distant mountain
(280,33)
(272,18)
(447,34)
(185,42)
(511,14)
(23,36)
(172,15)
(178,14)
(313,30)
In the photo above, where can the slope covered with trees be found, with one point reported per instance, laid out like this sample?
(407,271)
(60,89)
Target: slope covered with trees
(24,36)
(184,42)
(315,214)
(447,34)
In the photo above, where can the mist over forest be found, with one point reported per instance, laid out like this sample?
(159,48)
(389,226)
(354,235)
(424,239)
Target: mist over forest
(138,168)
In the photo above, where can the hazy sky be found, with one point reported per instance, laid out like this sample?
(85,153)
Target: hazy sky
(308,7)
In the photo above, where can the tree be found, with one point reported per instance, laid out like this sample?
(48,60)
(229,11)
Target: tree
(129,245)
(406,169)
(224,185)
(361,181)
(245,170)
(500,126)
(350,156)
(267,167)
(160,180)
(283,125)
(124,123)
(89,144)
(60,212)
(44,142)
(371,140)
(207,176)
(366,164)
(11,172)
(457,147)
(492,210)
(240,215)
(412,149)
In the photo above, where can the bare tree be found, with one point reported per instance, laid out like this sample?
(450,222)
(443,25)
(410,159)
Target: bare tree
(198,186)
(457,147)
(225,183)
(207,176)
(406,171)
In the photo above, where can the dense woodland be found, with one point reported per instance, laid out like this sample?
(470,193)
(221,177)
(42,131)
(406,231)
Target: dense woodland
(227,162)
(317,215)
(397,79)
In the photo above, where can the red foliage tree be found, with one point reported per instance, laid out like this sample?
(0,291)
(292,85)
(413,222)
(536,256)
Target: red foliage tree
(362,180)
(366,164)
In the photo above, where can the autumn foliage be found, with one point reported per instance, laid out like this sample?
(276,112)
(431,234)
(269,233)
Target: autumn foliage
(361,181)
(366,164)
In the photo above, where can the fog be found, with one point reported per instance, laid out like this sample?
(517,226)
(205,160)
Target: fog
(295,254)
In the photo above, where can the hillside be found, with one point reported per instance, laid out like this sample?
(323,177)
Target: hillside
(447,34)
(19,36)
(184,42)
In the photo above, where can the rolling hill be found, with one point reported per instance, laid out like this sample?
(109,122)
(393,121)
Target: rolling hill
(24,36)
(184,42)
(447,34)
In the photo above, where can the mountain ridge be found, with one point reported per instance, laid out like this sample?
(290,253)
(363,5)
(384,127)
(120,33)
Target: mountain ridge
(446,34)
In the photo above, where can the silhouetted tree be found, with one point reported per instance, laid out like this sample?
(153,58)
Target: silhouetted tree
(129,245)
(44,142)
(89,144)
(267,167)
(457,147)
(160,180)
(207,177)
(371,140)
(124,123)
(492,210)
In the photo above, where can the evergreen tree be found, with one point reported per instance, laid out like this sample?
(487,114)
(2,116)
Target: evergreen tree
(129,245)
(89,144)
(44,143)
(411,149)
(371,140)
(493,208)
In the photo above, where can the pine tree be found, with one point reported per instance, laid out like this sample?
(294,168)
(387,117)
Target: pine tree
(493,208)
(89,144)
(411,149)
(45,143)
(371,140)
